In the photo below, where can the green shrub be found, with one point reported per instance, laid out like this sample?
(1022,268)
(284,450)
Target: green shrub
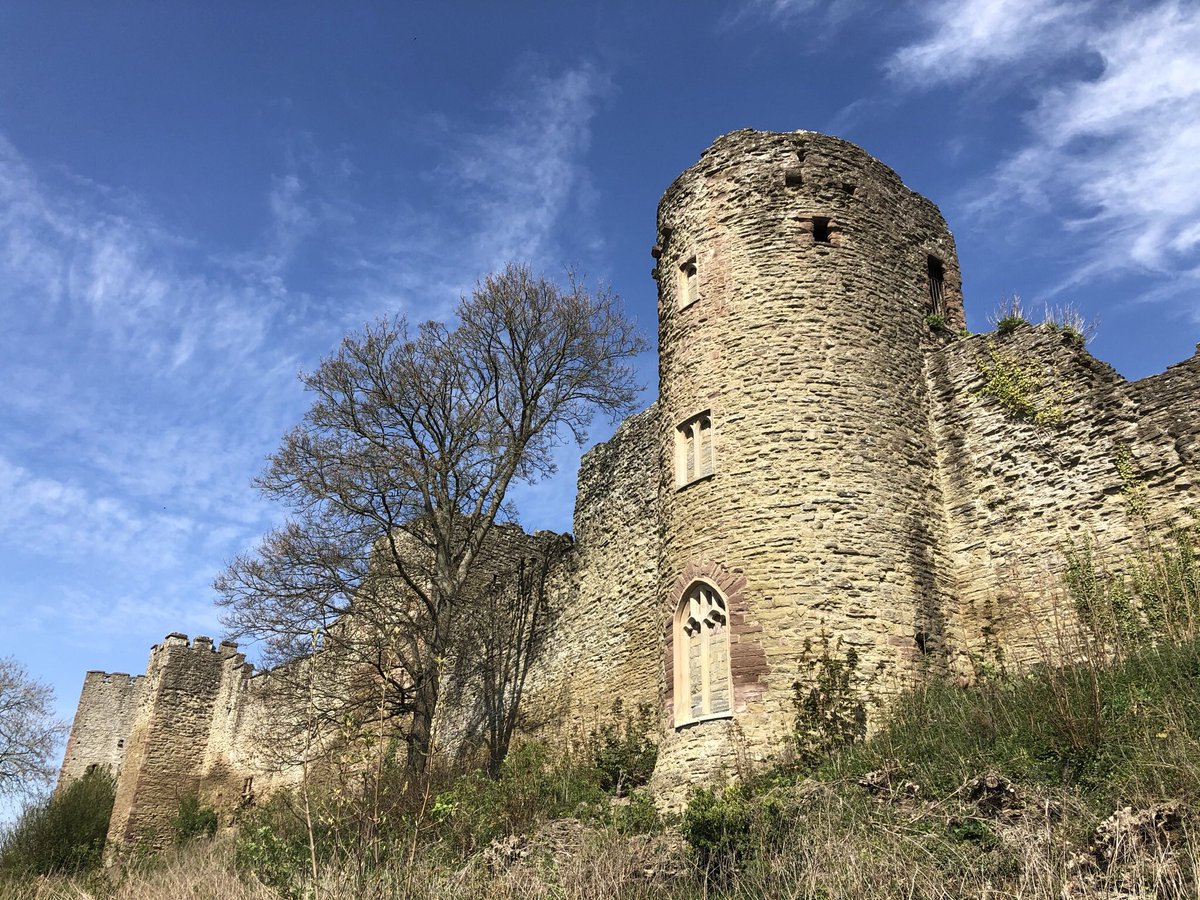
(936,322)
(1009,316)
(65,833)
(972,831)
(623,751)
(272,845)
(534,784)
(1008,324)
(1068,321)
(718,827)
(638,816)
(726,828)
(828,698)
(1071,337)
(193,820)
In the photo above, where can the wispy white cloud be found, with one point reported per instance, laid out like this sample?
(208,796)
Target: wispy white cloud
(524,181)
(966,38)
(112,274)
(520,177)
(60,518)
(126,359)
(507,190)
(147,376)
(306,202)
(822,17)
(1114,154)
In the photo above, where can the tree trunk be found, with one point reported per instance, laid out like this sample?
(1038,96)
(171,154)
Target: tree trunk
(420,736)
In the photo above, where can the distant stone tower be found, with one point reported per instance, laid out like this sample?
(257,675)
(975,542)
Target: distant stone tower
(797,277)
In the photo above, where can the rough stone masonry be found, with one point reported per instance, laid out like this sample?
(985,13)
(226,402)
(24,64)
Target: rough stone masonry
(825,465)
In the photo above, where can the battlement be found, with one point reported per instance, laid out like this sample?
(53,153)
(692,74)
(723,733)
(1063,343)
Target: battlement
(111,677)
(179,639)
(202,646)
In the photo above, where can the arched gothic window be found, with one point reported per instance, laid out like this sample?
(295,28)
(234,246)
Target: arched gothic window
(701,642)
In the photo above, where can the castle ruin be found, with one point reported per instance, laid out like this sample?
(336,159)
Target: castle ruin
(828,459)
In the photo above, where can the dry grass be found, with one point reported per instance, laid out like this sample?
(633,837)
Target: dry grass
(839,842)
(204,871)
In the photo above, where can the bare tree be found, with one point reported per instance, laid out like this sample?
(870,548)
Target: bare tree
(401,467)
(511,615)
(29,730)
(518,612)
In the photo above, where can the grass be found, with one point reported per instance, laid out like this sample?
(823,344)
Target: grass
(1068,321)
(1123,733)
(1072,744)
(1009,316)
(835,841)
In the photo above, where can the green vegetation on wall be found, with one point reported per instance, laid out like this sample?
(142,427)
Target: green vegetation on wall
(1150,596)
(1018,386)
(829,697)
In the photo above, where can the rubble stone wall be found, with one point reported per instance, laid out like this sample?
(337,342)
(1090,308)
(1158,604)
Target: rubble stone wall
(1167,452)
(828,455)
(104,718)
(804,339)
(168,741)
(1093,460)
(603,642)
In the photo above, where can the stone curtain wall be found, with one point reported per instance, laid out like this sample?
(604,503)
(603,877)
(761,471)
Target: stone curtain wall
(805,340)
(233,750)
(1018,490)
(605,640)
(197,729)
(1168,441)
(169,740)
(103,721)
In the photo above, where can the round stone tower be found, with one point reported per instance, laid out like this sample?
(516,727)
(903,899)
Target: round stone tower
(800,284)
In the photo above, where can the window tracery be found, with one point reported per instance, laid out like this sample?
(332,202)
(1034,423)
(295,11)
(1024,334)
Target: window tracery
(703,688)
(694,449)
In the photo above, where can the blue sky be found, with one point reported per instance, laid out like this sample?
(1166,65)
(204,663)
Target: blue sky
(198,200)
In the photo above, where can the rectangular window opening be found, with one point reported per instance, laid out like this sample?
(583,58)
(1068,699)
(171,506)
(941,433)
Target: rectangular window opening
(694,457)
(820,230)
(688,287)
(937,285)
